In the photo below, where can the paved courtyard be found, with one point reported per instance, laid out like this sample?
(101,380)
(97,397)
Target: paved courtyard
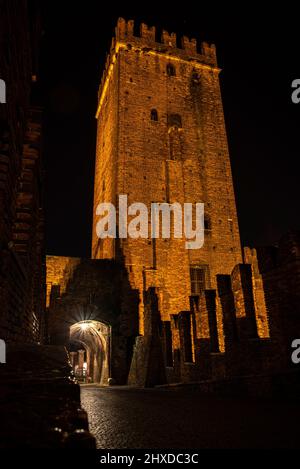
(162,418)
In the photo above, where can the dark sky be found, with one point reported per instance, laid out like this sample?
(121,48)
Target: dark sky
(259,55)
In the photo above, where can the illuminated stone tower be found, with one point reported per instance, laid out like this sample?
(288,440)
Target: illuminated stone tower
(161,138)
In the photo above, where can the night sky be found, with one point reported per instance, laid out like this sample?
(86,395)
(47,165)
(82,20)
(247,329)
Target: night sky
(259,55)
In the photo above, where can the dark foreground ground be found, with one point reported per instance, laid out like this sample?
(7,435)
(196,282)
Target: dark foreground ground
(162,418)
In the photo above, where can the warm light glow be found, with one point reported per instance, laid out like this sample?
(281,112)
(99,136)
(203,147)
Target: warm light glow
(84,326)
(119,45)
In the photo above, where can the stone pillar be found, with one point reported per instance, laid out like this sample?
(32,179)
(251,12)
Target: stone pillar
(73,356)
(206,322)
(167,342)
(227,306)
(186,337)
(241,279)
(261,312)
(147,367)
(80,358)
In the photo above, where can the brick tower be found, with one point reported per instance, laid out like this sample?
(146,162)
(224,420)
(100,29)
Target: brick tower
(161,138)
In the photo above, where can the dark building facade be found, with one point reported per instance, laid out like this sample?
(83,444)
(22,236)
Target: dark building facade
(22,251)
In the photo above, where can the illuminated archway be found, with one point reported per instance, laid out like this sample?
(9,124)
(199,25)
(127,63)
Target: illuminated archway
(94,339)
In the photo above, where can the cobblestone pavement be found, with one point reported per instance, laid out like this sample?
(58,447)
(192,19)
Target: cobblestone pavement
(161,418)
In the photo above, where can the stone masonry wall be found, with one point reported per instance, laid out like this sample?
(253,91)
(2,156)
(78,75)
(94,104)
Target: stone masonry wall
(180,157)
(22,256)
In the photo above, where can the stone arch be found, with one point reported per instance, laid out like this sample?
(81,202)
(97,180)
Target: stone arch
(94,290)
(95,337)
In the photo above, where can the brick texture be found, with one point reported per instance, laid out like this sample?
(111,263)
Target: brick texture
(22,251)
(159,161)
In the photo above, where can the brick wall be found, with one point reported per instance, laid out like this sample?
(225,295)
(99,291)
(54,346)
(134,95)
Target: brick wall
(165,161)
(22,262)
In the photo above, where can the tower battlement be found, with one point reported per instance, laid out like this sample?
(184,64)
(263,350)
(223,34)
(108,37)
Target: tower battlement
(125,31)
(148,42)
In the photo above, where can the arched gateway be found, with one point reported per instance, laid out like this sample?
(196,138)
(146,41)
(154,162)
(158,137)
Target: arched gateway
(90,346)
(93,312)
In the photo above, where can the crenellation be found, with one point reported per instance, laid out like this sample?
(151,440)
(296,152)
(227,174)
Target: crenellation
(147,33)
(189,45)
(125,33)
(146,43)
(209,50)
(168,39)
(121,29)
(124,29)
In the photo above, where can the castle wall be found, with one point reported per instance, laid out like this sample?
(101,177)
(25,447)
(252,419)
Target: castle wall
(279,282)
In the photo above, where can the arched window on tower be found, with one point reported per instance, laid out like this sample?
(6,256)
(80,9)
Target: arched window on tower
(154,115)
(171,71)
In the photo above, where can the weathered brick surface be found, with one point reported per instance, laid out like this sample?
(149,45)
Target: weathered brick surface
(59,272)
(22,258)
(154,161)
